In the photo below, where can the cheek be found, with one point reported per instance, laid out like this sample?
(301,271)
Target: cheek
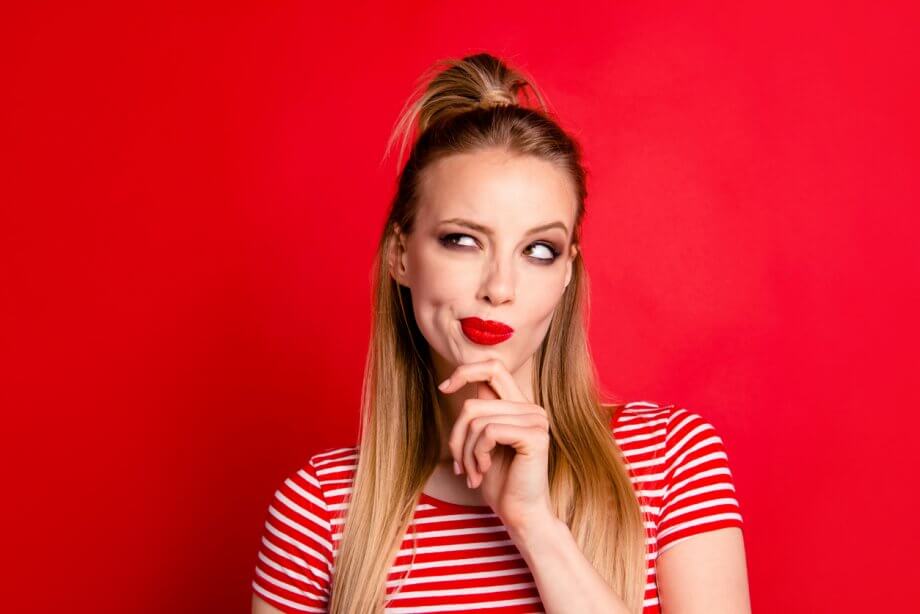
(437,291)
(541,291)
(541,300)
(437,280)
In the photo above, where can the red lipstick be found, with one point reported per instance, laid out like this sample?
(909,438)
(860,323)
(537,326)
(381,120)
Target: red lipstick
(485,332)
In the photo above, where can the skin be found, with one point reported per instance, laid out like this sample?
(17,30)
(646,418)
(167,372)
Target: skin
(497,435)
(505,274)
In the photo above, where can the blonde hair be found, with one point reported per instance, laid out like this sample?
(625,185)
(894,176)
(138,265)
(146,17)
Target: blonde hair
(469,104)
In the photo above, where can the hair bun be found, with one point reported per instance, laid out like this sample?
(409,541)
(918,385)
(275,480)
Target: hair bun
(496,98)
(454,86)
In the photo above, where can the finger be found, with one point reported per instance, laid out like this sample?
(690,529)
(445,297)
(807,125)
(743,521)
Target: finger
(480,460)
(526,440)
(485,391)
(473,408)
(493,372)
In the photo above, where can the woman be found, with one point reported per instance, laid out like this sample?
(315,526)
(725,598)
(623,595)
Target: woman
(489,476)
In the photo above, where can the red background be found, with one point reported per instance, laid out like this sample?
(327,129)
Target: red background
(189,192)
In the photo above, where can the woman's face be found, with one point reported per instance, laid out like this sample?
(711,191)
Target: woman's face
(474,253)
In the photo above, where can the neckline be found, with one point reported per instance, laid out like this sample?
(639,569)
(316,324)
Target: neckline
(433,501)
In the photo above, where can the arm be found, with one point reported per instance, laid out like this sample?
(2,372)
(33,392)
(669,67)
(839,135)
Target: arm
(705,574)
(701,564)
(293,564)
(259,606)
(566,580)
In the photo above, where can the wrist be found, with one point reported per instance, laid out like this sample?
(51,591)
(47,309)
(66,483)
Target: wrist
(536,529)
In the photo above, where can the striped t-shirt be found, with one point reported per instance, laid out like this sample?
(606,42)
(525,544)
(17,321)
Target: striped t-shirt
(465,560)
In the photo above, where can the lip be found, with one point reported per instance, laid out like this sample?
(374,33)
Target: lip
(485,332)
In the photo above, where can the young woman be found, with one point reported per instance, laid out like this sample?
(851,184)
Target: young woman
(489,476)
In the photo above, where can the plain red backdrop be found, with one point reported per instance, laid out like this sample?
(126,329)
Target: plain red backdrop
(190,192)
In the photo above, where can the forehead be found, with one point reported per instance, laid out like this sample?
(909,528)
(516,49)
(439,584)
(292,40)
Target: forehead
(508,190)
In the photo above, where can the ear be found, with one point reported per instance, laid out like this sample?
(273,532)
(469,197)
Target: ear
(396,257)
(573,253)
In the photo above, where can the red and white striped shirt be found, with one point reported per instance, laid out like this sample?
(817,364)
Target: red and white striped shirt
(465,560)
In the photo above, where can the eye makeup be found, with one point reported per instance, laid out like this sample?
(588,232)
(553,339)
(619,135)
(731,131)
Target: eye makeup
(448,241)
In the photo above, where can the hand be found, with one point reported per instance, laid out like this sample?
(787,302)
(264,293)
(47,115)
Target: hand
(501,441)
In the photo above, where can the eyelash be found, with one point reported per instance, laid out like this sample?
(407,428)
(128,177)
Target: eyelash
(446,241)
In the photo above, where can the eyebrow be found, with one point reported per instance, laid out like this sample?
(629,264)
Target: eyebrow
(486,230)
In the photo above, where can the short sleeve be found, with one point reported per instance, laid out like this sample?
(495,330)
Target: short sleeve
(698,493)
(294,563)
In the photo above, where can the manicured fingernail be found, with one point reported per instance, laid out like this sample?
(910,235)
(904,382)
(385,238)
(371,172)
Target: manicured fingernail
(469,482)
(443,385)
(457,468)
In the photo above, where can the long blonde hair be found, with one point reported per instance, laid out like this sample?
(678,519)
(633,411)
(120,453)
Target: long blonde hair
(473,103)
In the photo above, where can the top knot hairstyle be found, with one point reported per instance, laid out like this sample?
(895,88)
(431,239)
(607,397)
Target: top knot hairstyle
(478,102)
(462,106)
(453,87)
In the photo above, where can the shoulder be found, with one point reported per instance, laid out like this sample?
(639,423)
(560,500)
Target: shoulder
(651,433)
(640,430)
(309,493)
(331,467)
(333,458)
(640,421)
(672,446)
(319,474)
(668,420)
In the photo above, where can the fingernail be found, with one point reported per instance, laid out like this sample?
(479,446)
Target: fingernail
(443,385)
(456,468)
(469,482)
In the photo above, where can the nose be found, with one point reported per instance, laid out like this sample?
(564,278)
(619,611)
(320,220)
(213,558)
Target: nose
(498,283)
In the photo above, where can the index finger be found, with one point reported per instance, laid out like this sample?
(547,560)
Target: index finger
(493,373)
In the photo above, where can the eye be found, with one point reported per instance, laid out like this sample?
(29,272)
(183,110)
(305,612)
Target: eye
(451,242)
(448,240)
(553,252)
